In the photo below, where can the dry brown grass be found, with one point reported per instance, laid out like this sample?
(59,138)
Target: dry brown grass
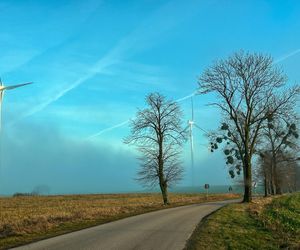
(25,219)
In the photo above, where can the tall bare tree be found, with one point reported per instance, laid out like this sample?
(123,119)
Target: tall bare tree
(250,89)
(158,134)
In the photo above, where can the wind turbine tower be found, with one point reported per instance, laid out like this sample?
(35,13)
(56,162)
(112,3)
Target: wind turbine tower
(190,125)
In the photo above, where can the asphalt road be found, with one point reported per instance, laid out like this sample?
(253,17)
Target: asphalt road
(164,229)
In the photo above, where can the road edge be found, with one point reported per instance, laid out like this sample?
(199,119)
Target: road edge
(190,242)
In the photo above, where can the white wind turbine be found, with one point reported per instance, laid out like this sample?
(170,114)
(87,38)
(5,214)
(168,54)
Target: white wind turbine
(190,126)
(2,90)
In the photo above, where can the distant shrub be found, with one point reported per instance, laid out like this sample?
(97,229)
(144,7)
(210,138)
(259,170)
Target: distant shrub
(24,194)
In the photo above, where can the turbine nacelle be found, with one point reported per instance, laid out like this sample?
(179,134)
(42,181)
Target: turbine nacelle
(190,122)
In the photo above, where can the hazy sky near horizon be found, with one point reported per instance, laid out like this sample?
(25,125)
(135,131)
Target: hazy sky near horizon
(92,63)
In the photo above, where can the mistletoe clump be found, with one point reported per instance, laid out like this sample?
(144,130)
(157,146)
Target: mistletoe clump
(232,154)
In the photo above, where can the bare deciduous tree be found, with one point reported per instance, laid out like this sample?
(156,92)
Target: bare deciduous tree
(158,134)
(250,89)
(279,149)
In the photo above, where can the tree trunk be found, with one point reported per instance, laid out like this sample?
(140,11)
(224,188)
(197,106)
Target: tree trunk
(277,185)
(273,177)
(162,182)
(269,187)
(273,188)
(278,189)
(265,185)
(247,181)
(164,191)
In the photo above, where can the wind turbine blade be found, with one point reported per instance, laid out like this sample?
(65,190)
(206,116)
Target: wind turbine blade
(192,108)
(1,99)
(17,86)
(192,146)
(186,128)
(200,128)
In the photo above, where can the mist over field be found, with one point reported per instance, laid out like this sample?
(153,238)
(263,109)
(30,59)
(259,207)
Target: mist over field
(40,155)
(42,158)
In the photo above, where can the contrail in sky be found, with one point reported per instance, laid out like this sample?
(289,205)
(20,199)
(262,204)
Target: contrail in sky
(101,65)
(283,58)
(127,121)
(280,59)
(186,97)
(108,129)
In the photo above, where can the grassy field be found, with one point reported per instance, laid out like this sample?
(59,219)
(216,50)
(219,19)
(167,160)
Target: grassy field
(271,223)
(27,219)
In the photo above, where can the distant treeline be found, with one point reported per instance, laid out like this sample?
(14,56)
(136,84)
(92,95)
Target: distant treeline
(37,191)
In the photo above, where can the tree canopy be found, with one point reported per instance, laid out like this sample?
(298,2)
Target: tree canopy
(250,89)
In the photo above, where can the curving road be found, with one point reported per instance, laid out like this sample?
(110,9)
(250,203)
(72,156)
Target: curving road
(164,229)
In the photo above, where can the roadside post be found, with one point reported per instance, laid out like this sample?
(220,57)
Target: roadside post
(206,186)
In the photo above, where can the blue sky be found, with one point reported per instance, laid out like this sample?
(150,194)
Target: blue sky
(93,62)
